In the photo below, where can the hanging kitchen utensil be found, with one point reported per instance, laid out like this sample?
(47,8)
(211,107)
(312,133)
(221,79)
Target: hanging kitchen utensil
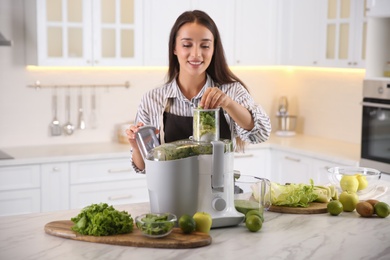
(81,122)
(93,116)
(55,127)
(68,127)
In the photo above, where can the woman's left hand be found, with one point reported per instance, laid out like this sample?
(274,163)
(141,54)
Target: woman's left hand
(213,98)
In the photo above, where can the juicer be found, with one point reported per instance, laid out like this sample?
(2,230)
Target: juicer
(189,176)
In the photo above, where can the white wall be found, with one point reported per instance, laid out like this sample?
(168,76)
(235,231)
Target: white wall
(326,101)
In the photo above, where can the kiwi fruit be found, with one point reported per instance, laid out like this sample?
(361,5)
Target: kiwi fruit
(365,209)
(373,202)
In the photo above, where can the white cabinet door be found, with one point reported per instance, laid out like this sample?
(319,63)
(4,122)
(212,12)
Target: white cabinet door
(299,32)
(290,168)
(343,34)
(92,171)
(16,202)
(112,181)
(295,168)
(20,190)
(255,162)
(255,36)
(223,14)
(55,186)
(112,193)
(84,33)
(157,28)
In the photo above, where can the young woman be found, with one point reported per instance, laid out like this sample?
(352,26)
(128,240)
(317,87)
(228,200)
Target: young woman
(198,75)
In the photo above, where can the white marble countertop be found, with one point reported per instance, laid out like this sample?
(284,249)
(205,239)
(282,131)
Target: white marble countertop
(283,236)
(325,149)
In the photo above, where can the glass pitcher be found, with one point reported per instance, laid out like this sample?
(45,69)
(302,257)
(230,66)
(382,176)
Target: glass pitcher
(252,192)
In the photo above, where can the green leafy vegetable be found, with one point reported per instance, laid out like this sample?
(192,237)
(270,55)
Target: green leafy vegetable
(155,225)
(204,123)
(293,195)
(102,220)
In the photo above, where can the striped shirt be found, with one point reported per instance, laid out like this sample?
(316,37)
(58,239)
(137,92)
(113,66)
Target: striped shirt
(156,101)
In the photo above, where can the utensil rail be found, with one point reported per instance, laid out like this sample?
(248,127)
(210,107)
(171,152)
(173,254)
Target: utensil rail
(38,85)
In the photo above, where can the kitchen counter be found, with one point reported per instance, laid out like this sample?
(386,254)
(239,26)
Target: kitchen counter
(315,147)
(283,236)
(64,153)
(337,151)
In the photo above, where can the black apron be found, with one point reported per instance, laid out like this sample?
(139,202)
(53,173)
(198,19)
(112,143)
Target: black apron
(180,127)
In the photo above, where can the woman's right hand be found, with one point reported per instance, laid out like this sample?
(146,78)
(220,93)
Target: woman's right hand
(131,134)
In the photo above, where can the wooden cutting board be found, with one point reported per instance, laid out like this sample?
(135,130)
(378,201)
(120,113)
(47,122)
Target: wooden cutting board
(177,239)
(314,208)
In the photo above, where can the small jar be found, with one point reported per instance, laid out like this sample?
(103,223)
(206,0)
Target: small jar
(386,71)
(205,125)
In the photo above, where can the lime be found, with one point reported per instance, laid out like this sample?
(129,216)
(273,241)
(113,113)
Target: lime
(253,223)
(187,224)
(244,206)
(382,209)
(255,212)
(334,207)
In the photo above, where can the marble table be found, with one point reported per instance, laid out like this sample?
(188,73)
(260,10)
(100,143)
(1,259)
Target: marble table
(283,236)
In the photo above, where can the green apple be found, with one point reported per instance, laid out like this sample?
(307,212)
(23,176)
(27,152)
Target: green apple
(203,221)
(349,183)
(349,200)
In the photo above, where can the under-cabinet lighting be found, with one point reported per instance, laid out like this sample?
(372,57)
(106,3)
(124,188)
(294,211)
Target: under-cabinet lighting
(78,68)
(164,68)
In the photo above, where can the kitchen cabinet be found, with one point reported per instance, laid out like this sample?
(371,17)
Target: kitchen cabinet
(20,189)
(111,181)
(45,187)
(247,29)
(299,32)
(157,27)
(84,33)
(255,38)
(255,162)
(343,34)
(54,186)
(325,33)
(288,167)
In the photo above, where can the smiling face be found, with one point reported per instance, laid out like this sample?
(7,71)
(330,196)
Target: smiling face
(194,49)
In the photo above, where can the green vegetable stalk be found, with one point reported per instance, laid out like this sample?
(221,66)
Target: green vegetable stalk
(102,220)
(206,124)
(300,195)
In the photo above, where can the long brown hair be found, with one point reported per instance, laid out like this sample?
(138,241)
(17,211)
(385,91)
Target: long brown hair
(218,69)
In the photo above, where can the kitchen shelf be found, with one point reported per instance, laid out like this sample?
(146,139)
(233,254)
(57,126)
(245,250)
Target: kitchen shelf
(38,85)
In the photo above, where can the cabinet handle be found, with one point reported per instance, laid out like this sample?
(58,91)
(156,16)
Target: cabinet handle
(292,159)
(119,197)
(243,155)
(119,170)
(56,169)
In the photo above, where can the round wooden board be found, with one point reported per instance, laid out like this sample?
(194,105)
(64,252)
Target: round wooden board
(314,208)
(177,239)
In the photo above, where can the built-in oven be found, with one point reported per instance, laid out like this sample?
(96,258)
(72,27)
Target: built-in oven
(375,143)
